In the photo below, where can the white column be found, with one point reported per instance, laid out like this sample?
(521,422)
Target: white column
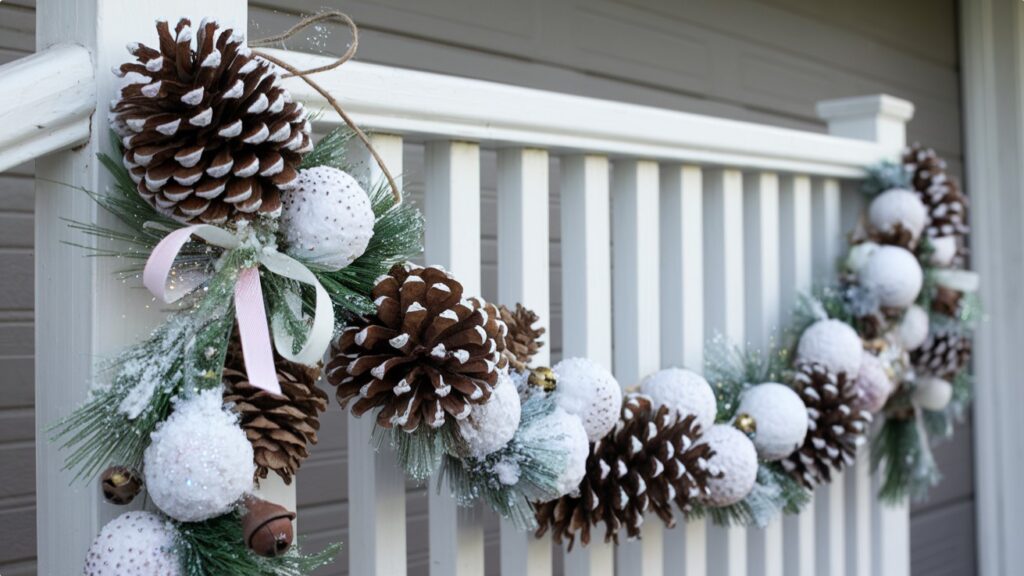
(523,238)
(83,311)
(376,484)
(682,325)
(724,306)
(587,300)
(452,212)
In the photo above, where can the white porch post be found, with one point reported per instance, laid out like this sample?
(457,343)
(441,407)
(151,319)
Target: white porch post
(82,311)
(880,119)
(991,44)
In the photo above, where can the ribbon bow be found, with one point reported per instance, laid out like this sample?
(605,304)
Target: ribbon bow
(248,296)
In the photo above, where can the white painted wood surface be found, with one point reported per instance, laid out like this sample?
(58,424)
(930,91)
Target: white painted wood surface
(46,101)
(452,212)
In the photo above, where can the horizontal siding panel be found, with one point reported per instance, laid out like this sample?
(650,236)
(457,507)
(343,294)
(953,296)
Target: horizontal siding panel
(16,282)
(18,474)
(942,541)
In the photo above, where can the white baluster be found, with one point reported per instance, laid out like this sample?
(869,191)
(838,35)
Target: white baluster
(796,278)
(523,277)
(636,317)
(761,251)
(376,485)
(724,306)
(452,211)
(587,300)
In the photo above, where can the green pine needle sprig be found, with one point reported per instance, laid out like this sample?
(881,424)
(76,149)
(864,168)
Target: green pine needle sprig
(730,369)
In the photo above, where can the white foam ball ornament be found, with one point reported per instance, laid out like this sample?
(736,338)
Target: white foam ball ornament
(684,392)
(932,393)
(326,218)
(913,329)
(873,384)
(833,344)
(492,425)
(859,254)
(573,442)
(944,249)
(588,391)
(134,544)
(736,459)
(898,208)
(894,274)
(780,418)
(199,462)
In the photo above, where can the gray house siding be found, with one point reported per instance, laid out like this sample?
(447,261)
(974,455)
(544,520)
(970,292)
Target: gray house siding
(766,61)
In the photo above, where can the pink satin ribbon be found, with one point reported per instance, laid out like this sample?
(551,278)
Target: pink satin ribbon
(249,309)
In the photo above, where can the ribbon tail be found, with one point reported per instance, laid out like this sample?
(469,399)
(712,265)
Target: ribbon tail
(255,336)
(322,329)
(157,274)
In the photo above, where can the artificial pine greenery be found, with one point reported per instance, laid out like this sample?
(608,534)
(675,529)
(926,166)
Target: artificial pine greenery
(774,492)
(216,547)
(730,369)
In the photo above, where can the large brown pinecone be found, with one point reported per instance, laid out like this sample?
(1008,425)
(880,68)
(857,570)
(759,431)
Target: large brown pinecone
(944,353)
(427,351)
(523,340)
(946,203)
(648,461)
(209,134)
(835,428)
(279,427)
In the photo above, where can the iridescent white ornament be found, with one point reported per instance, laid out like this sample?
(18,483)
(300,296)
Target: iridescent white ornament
(898,208)
(588,391)
(780,419)
(326,218)
(894,274)
(913,330)
(932,393)
(199,462)
(736,458)
(134,544)
(684,392)
(873,384)
(859,254)
(492,425)
(831,343)
(944,249)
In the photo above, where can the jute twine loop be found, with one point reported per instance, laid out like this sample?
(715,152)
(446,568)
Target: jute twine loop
(341,17)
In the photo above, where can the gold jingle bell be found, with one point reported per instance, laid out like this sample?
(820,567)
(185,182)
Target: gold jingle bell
(746,423)
(543,378)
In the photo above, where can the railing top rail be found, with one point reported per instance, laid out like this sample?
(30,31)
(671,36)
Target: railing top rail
(426,105)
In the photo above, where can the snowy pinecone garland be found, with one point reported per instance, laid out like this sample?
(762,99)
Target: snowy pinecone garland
(135,544)
(209,134)
(327,218)
(588,391)
(426,353)
(684,392)
(897,217)
(648,462)
(944,353)
(836,427)
(946,203)
(280,427)
(523,340)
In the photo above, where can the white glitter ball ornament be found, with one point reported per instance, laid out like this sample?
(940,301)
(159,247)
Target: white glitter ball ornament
(684,392)
(590,392)
(491,426)
(858,255)
(736,458)
(134,544)
(894,274)
(573,442)
(326,218)
(944,250)
(833,344)
(200,462)
(932,393)
(898,208)
(873,384)
(913,330)
(780,416)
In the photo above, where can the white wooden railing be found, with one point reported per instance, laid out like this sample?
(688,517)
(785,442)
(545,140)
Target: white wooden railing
(673,226)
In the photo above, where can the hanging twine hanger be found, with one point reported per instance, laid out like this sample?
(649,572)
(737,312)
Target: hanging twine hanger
(336,16)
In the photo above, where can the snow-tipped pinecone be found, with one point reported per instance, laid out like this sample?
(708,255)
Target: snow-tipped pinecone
(946,203)
(280,428)
(835,427)
(209,134)
(427,352)
(649,461)
(523,340)
(944,353)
